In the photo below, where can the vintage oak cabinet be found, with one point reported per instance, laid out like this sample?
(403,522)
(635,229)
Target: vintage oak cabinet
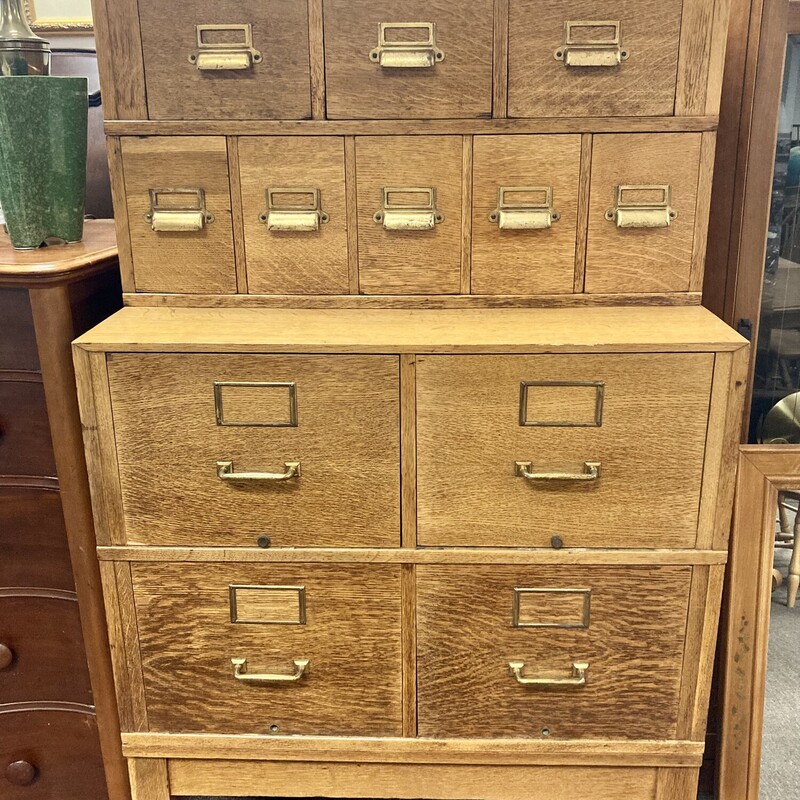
(412,452)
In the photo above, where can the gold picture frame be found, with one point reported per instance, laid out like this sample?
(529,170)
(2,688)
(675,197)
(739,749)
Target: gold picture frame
(56,24)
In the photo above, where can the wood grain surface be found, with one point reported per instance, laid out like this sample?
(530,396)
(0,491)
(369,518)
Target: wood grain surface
(279,262)
(352,637)
(542,86)
(633,644)
(180,262)
(25,446)
(169,443)
(651,447)
(524,261)
(278,87)
(18,343)
(459,86)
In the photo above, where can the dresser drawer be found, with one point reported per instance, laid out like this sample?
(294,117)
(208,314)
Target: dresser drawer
(18,349)
(231,59)
(581,450)
(179,213)
(25,446)
(525,214)
(33,541)
(308,642)
(50,753)
(642,212)
(41,648)
(295,218)
(223,450)
(593,58)
(560,652)
(417,59)
(409,214)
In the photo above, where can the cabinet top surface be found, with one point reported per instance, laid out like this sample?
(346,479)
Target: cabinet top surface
(411,331)
(60,262)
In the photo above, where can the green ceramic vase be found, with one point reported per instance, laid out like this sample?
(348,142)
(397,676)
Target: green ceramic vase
(43,139)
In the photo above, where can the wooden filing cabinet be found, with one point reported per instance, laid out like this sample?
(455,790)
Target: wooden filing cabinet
(412,453)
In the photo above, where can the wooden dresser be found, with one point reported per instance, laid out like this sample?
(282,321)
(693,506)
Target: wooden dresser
(50,602)
(412,455)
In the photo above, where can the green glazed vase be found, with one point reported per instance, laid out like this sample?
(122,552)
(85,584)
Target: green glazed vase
(43,138)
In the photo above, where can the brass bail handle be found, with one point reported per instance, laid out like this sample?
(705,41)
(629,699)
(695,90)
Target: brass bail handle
(590,472)
(575,679)
(225,472)
(241,674)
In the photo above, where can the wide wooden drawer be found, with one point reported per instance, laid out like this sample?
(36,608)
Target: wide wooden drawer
(25,446)
(551,652)
(418,59)
(580,450)
(287,649)
(41,648)
(18,350)
(33,540)
(50,753)
(240,450)
(231,59)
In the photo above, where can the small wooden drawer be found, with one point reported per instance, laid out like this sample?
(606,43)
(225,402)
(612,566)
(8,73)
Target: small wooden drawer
(592,58)
(579,450)
(231,59)
(286,649)
(409,214)
(525,214)
(295,218)
(25,446)
(551,652)
(18,349)
(379,64)
(33,541)
(47,753)
(240,450)
(179,214)
(642,212)
(41,646)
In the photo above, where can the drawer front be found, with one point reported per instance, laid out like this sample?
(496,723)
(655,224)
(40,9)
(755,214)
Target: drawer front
(321,434)
(562,63)
(335,629)
(232,59)
(409,214)
(18,349)
(413,59)
(46,754)
(558,652)
(179,213)
(295,219)
(610,449)
(25,446)
(33,541)
(41,649)
(634,243)
(525,214)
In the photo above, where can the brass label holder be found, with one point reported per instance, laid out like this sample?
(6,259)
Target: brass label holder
(653,211)
(584,52)
(188,215)
(421,53)
(422,216)
(284,215)
(523,215)
(582,596)
(236,55)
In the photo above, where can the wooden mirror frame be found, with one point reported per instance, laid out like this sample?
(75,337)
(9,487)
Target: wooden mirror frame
(764,470)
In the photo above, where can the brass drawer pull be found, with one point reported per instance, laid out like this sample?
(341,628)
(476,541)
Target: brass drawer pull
(225,472)
(577,678)
(642,206)
(241,674)
(185,212)
(525,215)
(419,53)
(580,51)
(225,55)
(524,469)
(288,215)
(399,216)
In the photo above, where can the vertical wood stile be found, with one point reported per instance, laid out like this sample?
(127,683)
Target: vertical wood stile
(500,58)
(705,177)
(121,222)
(584,193)
(697,25)
(351,200)
(408,449)
(316,50)
(466,215)
(237,215)
(409,634)
(149,779)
